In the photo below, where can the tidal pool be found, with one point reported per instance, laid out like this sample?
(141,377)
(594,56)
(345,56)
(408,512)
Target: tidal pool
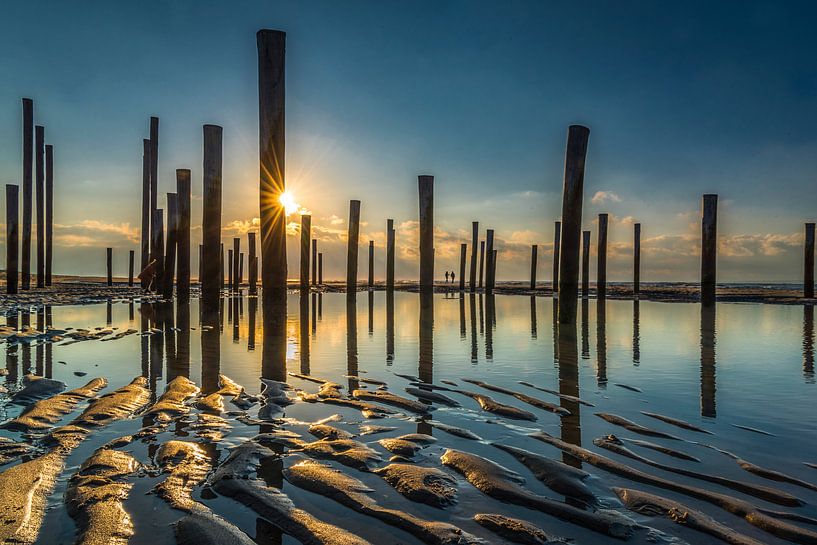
(742,373)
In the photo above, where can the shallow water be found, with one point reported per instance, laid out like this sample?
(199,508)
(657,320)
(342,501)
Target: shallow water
(739,365)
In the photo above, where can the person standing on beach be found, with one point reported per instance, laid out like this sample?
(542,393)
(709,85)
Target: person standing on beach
(446,277)
(452,277)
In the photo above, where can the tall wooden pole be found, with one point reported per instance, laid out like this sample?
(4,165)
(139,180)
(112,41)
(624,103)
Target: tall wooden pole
(352,247)
(463,256)
(49,212)
(12,236)
(240,269)
(481,261)
(534,254)
(314,261)
(572,195)
(157,248)
(109,264)
(636,258)
(585,264)
(306,236)
(212,253)
(172,244)
(230,268)
(201,262)
(28,158)
(557,248)
(234,285)
(130,267)
(426,187)
(154,174)
(371,264)
(474,239)
(320,268)
(253,263)
(489,252)
(601,263)
(709,248)
(494,255)
(390,254)
(39,161)
(808,270)
(183,234)
(221,266)
(146,209)
(271,116)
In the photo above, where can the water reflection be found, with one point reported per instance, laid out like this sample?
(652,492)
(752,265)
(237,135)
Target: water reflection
(252,308)
(490,310)
(708,361)
(351,340)
(568,362)
(532,316)
(426,363)
(371,312)
(808,343)
(636,333)
(389,327)
(181,364)
(210,348)
(274,349)
(462,316)
(303,341)
(601,342)
(472,305)
(585,329)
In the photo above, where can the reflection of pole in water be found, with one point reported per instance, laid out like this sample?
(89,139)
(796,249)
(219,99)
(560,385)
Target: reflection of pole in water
(426,363)
(170,338)
(144,341)
(252,304)
(532,316)
(371,313)
(314,313)
(38,349)
(156,352)
(472,306)
(274,350)
(25,318)
(49,353)
(489,330)
(210,348)
(389,327)
(568,362)
(182,367)
(585,329)
(808,343)
(601,342)
(320,306)
(236,320)
(462,316)
(481,316)
(554,302)
(636,333)
(130,311)
(108,313)
(11,350)
(708,360)
(351,339)
(303,329)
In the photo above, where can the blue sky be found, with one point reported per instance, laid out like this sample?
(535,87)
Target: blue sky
(681,99)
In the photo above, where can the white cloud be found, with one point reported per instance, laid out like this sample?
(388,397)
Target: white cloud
(605,196)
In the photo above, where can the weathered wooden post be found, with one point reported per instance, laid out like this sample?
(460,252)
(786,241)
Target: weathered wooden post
(201,261)
(314,261)
(489,252)
(146,209)
(154,172)
(352,247)
(212,266)
(234,271)
(271,116)
(709,248)
(808,270)
(130,268)
(636,258)
(557,247)
(240,269)
(474,238)
(601,263)
(390,254)
(172,244)
(585,264)
(157,243)
(28,158)
(371,264)
(49,211)
(230,267)
(39,162)
(463,255)
(252,276)
(306,236)
(183,234)
(12,236)
(481,261)
(109,264)
(320,268)
(534,251)
(426,187)
(493,269)
(572,195)
(221,265)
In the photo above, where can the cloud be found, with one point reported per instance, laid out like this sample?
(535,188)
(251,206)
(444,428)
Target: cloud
(89,233)
(605,196)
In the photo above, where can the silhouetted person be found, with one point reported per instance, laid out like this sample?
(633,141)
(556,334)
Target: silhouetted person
(452,277)
(446,277)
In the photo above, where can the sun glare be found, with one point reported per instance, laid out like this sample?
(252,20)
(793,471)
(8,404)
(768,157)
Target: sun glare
(288,201)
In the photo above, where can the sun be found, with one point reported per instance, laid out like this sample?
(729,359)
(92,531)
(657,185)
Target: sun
(287,199)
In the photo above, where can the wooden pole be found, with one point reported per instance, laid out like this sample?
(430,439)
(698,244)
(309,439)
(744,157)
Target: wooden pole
(808,271)
(371,264)
(234,286)
(585,264)
(320,268)
(314,261)
(212,280)
(489,252)
(109,264)
(183,234)
(426,187)
(306,236)
(201,261)
(230,267)
(28,158)
(271,115)
(154,173)
(240,269)
(636,258)
(252,275)
(481,261)
(131,255)
(557,247)
(49,212)
(146,209)
(709,248)
(601,262)
(39,161)
(463,255)
(572,195)
(390,254)
(534,251)
(12,236)
(352,247)
(493,269)
(172,244)
(474,239)
(157,247)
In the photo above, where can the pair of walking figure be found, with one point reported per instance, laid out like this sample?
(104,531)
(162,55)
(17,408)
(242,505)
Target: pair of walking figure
(449,274)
